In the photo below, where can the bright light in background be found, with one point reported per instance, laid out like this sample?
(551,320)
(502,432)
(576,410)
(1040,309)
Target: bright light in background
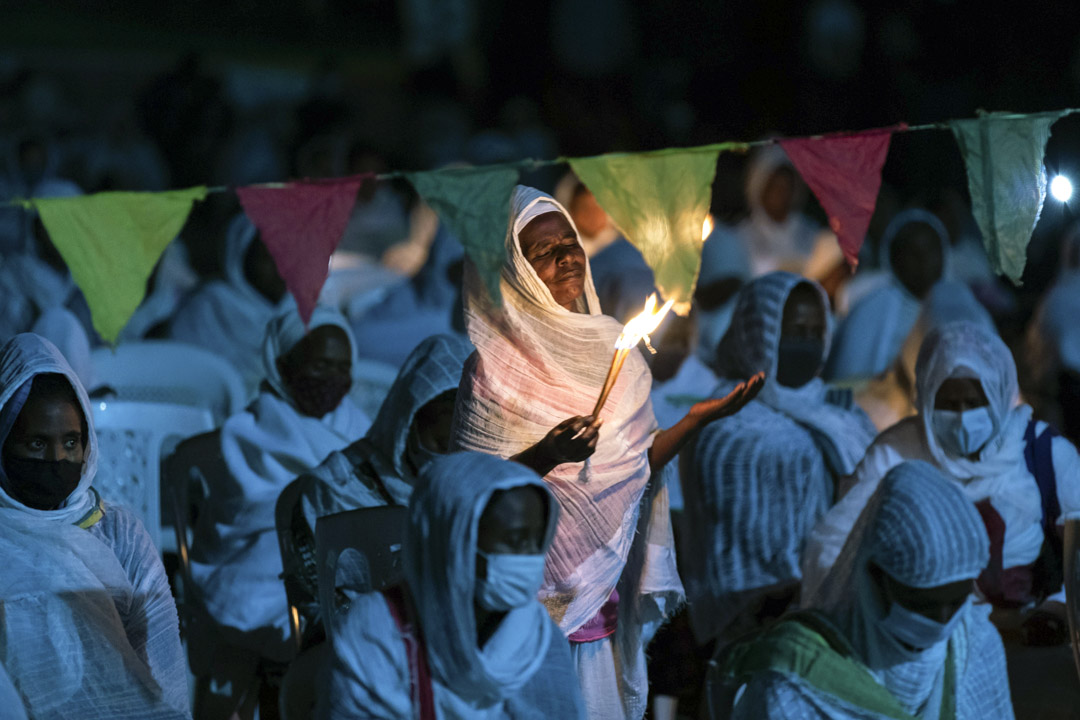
(1061,188)
(706,228)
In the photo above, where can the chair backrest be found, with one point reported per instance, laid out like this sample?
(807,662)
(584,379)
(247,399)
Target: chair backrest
(133,437)
(372,383)
(359,550)
(172,372)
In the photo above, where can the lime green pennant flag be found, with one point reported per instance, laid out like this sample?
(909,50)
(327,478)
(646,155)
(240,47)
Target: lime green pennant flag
(111,242)
(1003,154)
(475,205)
(659,201)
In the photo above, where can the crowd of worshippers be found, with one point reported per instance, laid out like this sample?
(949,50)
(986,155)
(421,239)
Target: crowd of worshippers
(824,497)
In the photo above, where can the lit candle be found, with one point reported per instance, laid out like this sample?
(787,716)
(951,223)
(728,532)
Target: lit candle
(633,332)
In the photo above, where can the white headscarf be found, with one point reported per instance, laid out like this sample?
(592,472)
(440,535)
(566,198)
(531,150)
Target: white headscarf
(752,345)
(775,245)
(60,327)
(536,365)
(440,567)
(921,530)
(21,358)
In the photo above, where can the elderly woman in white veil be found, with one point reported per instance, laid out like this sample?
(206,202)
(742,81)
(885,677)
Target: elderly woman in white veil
(541,360)
(89,625)
(894,632)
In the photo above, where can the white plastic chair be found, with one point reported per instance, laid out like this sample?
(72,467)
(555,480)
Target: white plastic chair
(372,383)
(166,371)
(133,437)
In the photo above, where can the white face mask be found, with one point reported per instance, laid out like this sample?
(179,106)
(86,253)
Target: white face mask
(512,581)
(915,630)
(965,433)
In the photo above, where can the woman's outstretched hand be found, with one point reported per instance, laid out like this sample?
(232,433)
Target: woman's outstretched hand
(668,443)
(572,440)
(706,411)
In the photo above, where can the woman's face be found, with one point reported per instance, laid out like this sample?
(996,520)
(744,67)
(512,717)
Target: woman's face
(551,246)
(937,603)
(48,428)
(513,522)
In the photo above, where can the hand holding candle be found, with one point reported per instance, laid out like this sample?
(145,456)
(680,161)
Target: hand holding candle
(639,328)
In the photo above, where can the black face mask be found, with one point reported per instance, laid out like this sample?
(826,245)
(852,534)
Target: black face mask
(42,484)
(798,360)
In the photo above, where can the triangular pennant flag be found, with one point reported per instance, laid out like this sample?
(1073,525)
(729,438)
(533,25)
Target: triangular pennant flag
(111,242)
(301,224)
(475,205)
(844,173)
(1004,158)
(659,201)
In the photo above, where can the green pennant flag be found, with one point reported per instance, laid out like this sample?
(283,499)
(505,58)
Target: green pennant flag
(659,201)
(475,205)
(111,242)
(1004,158)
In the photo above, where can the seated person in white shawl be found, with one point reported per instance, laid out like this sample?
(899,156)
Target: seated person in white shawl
(894,632)
(754,484)
(915,254)
(411,429)
(229,316)
(302,414)
(463,637)
(90,628)
(542,356)
(1024,479)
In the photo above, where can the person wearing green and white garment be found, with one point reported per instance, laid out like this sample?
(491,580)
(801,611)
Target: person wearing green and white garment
(894,631)
(464,636)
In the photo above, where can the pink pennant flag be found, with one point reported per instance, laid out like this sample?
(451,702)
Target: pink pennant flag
(844,172)
(301,224)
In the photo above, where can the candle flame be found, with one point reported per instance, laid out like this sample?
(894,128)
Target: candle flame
(707,228)
(641,326)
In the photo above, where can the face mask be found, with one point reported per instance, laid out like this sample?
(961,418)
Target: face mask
(965,433)
(915,630)
(42,484)
(512,581)
(798,360)
(316,397)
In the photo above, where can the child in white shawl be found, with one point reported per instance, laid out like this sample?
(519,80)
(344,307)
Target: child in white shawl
(90,627)
(229,316)
(971,427)
(541,358)
(464,637)
(754,484)
(894,633)
(301,415)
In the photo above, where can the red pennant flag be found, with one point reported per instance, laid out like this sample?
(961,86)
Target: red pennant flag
(301,224)
(844,172)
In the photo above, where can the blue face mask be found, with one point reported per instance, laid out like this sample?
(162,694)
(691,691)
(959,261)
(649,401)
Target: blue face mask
(512,581)
(915,630)
(962,433)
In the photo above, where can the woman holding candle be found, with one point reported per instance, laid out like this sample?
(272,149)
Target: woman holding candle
(542,358)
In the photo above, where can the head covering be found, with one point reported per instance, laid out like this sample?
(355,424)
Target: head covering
(722,257)
(286,330)
(772,245)
(440,567)
(21,359)
(763,164)
(966,350)
(238,238)
(908,217)
(538,364)
(923,532)
(752,344)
